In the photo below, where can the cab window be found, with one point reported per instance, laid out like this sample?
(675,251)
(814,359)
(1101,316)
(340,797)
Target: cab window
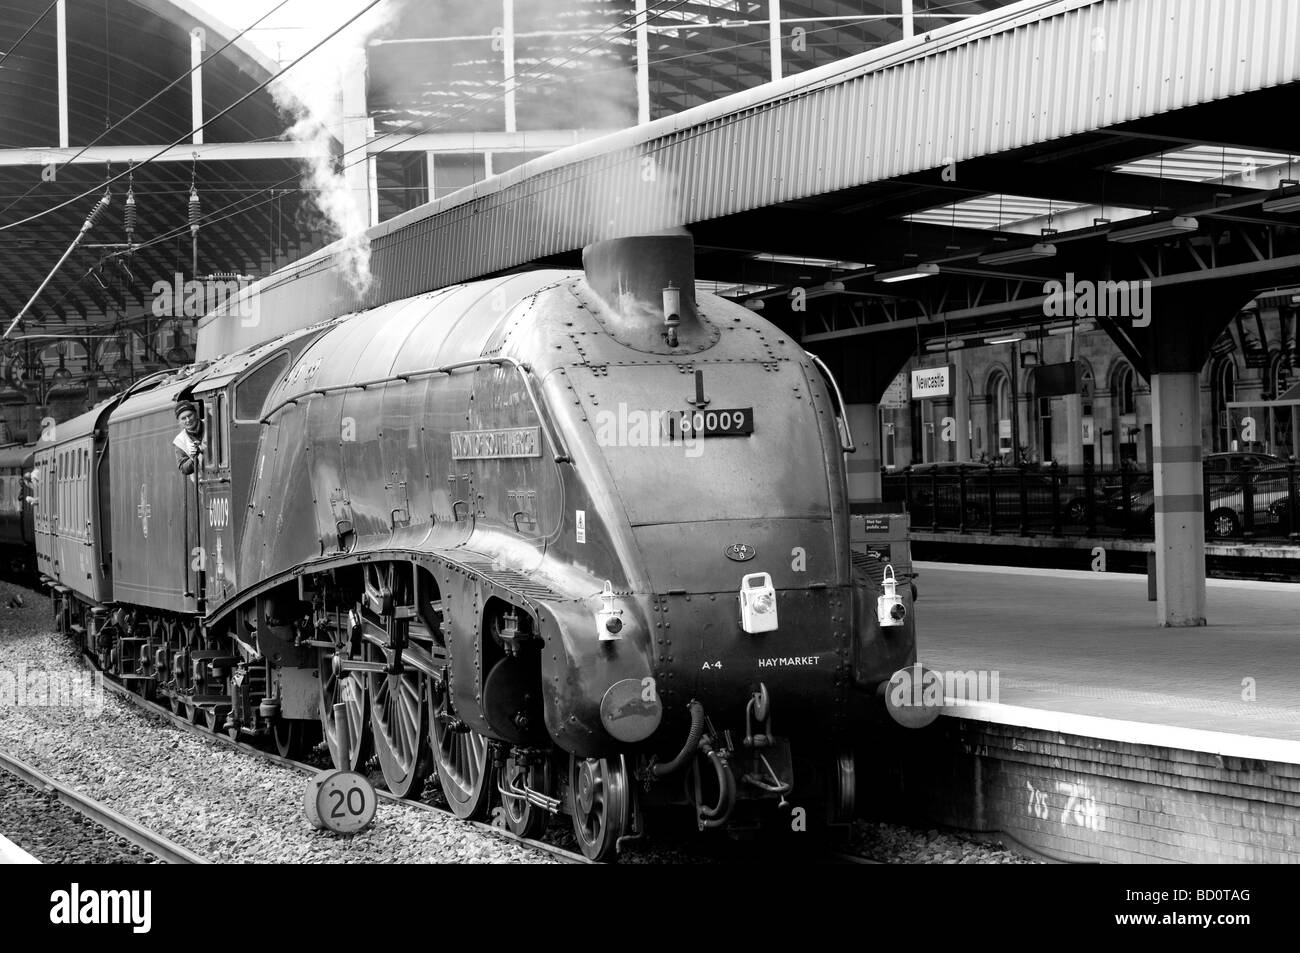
(215,430)
(252,391)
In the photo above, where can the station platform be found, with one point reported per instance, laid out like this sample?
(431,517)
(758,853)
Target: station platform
(1086,644)
(1097,735)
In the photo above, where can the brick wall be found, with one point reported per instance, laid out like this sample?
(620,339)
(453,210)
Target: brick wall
(1085,798)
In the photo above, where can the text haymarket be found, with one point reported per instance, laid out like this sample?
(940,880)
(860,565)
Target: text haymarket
(1098,299)
(99,907)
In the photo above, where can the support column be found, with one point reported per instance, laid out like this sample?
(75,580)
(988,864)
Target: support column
(864,466)
(197,37)
(353,134)
(642,64)
(961,406)
(1179,499)
(1074,430)
(508,61)
(774,37)
(61,41)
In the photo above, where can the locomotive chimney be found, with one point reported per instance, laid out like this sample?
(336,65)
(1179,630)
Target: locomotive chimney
(647,285)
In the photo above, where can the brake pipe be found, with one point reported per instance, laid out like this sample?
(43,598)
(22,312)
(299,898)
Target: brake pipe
(718,815)
(688,749)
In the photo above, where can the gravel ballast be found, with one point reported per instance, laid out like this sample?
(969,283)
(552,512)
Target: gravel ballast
(54,833)
(229,807)
(216,801)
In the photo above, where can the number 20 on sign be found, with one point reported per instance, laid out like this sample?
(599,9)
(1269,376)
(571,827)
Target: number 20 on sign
(340,801)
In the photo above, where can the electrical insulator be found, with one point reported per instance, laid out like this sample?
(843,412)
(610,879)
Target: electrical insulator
(97,211)
(130,217)
(194,211)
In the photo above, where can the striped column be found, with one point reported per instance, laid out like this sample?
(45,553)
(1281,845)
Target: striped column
(864,466)
(1179,499)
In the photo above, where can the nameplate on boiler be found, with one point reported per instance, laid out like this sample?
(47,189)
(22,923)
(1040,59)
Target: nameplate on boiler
(495,444)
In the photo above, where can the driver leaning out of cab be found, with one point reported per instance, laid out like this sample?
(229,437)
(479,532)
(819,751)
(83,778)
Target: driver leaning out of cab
(189,442)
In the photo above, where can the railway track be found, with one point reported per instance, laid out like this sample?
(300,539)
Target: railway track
(156,844)
(306,770)
(184,725)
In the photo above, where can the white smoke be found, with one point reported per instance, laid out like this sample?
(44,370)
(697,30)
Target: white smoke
(312,95)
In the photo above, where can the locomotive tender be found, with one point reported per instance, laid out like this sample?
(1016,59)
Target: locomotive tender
(575,541)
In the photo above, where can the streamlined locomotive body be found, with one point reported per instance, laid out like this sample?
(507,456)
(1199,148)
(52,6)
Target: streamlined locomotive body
(576,542)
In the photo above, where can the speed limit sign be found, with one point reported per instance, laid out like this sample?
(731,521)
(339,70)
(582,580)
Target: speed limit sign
(341,801)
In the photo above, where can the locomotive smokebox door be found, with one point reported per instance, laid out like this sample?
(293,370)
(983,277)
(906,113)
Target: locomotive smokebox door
(757,603)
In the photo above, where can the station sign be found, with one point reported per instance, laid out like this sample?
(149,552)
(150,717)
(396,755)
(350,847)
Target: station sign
(895,397)
(933,382)
(1056,380)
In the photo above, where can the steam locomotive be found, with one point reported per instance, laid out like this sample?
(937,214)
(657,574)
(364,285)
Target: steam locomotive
(576,542)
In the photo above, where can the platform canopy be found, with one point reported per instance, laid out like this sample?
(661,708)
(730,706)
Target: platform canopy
(1065,123)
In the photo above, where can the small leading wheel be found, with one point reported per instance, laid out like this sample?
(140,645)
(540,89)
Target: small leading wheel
(825,785)
(461,758)
(844,791)
(521,817)
(397,724)
(213,717)
(350,690)
(600,804)
(294,737)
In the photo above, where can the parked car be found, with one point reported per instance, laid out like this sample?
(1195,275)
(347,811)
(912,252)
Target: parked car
(1270,495)
(941,483)
(1216,469)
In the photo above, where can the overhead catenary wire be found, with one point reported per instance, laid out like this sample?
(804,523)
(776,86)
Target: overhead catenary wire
(152,99)
(278,189)
(515,84)
(91,218)
(207,122)
(27,32)
(103,203)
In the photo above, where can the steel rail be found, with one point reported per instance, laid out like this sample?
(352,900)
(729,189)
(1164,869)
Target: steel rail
(101,814)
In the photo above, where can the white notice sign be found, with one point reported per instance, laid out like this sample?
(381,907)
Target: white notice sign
(895,397)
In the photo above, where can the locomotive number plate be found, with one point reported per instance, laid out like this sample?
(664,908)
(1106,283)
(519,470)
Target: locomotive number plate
(688,424)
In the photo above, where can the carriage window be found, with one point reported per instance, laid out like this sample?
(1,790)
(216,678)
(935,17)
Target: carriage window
(252,391)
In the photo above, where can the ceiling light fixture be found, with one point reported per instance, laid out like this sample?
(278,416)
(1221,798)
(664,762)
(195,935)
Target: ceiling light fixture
(1007,339)
(924,270)
(1079,328)
(1165,228)
(1287,198)
(1013,256)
